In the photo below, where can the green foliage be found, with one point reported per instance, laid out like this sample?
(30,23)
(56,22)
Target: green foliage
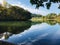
(14,13)
(51,16)
(43,3)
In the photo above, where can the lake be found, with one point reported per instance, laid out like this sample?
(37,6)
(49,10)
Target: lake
(30,33)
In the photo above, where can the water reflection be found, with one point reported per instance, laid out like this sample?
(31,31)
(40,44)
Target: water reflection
(7,29)
(43,34)
(31,33)
(50,22)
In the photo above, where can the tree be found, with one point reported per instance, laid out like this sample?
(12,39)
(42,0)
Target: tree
(51,16)
(14,13)
(20,13)
(43,3)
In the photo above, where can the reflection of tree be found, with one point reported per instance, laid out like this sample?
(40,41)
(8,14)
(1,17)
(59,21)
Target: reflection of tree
(51,22)
(59,23)
(14,29)
(39,22)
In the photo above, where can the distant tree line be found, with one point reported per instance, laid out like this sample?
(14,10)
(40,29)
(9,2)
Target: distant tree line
(36,15)
(48,16)
(52,16)
(14,13)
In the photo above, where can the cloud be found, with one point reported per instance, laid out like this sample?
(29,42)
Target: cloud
(31,9)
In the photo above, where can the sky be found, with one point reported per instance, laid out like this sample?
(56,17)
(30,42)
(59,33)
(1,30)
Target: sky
(31,8)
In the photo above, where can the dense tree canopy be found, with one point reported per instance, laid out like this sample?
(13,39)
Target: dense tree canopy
(43,3)
(14,13)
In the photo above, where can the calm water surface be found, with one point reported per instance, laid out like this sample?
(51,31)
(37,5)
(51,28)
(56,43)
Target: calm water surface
(34,34)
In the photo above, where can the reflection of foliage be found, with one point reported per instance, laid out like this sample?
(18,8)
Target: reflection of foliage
(39,22)
(14,13)
(17,27)
(51,22)
(48,3)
